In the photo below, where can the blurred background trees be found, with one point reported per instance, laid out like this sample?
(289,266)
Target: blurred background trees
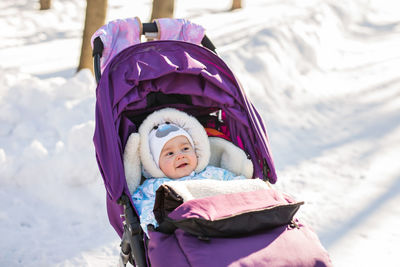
(96,12)
(236,4)
(162,9)
(45,4)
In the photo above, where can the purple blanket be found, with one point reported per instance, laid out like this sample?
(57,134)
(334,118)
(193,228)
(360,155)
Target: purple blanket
(291,244)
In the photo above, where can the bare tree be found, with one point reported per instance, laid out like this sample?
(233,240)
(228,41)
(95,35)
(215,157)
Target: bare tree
(162,9)
(45,4)
(96,11)
(236,4)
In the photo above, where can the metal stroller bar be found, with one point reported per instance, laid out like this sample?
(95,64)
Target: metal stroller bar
(147,27)
(97,53)
(132,245)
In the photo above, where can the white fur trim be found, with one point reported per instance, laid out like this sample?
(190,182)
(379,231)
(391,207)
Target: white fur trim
(194,189)
(226,155)
(132,162)
(183,120)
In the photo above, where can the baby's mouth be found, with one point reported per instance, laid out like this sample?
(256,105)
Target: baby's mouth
(182,165)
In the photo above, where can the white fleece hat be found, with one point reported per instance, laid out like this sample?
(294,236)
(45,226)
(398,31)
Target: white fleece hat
(186,122)
(161,134)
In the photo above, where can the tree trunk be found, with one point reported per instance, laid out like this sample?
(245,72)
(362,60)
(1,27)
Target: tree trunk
(96,11)
(45,4)
(162,9)
(236,4)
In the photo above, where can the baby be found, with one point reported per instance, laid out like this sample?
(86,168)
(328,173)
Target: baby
(177,154)
(172,149)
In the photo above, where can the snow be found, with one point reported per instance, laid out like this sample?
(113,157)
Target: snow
(323,74)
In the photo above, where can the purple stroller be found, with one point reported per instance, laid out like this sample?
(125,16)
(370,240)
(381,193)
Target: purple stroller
(149,76)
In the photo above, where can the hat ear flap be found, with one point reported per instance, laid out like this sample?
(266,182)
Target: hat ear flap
(132,165)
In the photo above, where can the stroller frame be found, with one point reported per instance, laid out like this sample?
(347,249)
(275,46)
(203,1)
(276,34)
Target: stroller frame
(133,247)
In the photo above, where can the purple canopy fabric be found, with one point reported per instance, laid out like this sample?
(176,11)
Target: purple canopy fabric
(169,67)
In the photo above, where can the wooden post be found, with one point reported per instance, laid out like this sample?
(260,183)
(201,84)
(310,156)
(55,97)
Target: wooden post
(236,4)
(162,9)
(96,11)
(45,4)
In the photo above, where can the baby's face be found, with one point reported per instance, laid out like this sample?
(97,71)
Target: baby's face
(177,158)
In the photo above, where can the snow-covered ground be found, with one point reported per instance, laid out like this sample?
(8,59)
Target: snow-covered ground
(323,73)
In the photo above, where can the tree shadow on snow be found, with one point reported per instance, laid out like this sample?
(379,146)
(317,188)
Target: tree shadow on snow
(331,236)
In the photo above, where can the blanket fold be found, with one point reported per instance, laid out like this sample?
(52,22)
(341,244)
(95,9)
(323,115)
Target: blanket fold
(209,208)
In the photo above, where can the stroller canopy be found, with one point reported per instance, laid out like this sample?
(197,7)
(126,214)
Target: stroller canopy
(194,80)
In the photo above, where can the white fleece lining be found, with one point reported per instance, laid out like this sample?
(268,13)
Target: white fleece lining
(183,120)
(132,165)
(215,151)
(226,155)
(195,189)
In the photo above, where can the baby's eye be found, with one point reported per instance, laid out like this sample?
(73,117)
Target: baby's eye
(186,148)
(170,153)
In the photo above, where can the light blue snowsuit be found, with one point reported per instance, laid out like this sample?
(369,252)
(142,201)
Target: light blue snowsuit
(144,196)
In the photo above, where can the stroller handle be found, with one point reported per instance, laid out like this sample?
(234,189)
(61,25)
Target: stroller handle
(150,27)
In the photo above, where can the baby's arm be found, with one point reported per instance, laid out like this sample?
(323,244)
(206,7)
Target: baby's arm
(228,176)
(143,200)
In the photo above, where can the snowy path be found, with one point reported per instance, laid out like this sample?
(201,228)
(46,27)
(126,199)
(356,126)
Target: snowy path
(324,75)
